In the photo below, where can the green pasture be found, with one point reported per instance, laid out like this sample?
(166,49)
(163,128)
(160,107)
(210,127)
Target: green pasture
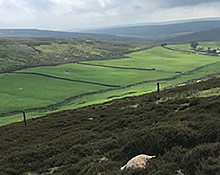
(212,45)
(205,45)
(116,94)
(88,100)
(145,87)
(109,76)
(181,46)
(20,91)
(162,59)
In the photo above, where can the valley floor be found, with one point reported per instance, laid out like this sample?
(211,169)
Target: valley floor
(45,89)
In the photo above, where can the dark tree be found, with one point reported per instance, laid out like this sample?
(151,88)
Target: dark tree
(194,44)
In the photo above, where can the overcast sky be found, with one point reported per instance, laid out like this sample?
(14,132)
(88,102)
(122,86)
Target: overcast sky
(69,14)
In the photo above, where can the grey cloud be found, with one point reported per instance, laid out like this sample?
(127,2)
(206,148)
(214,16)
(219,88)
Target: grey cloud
(95,6)
(182,3)
(64,14)
(39,4)
(137,7)
(26,4)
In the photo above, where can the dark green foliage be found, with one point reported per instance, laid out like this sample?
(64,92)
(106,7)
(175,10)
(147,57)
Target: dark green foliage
(186,139)
(194,44)
(203,159)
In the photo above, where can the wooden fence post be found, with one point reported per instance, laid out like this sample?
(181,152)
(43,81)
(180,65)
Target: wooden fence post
(24,115)
(158,88)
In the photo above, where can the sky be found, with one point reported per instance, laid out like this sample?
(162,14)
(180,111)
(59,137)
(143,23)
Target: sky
(75,14)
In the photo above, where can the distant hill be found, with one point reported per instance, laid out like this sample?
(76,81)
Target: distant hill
(20,53)
(161,31)
(178,31)
(208,35)
(34,33)
(84,30)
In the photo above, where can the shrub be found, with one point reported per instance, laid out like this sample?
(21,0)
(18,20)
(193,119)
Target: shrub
(203,159)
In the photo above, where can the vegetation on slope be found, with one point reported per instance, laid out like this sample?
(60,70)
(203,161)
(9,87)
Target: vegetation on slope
(21,53)
(32,91)
(161,59)
(212,34)
(35,33)
(202,48)
(48,88)
(180,31)
(181,128)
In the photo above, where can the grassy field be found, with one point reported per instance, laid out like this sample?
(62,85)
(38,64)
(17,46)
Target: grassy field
(162,59)
(205,45)
(28,91)
(100,74)
(212,45)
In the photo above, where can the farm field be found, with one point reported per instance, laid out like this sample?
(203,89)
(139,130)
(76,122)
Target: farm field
(111,76)
(205,45)
(41,90)
(163,60)
(28,91)
(213,45)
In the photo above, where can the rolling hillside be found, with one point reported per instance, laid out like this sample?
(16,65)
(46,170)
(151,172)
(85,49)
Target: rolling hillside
(35,33)
(20,53)
(48,88)
(161,31)
(181,127)
(182,31)
(208,35)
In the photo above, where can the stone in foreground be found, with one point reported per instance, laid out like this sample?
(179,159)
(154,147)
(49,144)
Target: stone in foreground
(139,161)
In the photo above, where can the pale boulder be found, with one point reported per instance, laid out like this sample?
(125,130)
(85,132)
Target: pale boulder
(139,161)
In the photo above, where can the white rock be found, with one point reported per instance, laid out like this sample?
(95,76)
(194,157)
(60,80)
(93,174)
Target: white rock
(139,161)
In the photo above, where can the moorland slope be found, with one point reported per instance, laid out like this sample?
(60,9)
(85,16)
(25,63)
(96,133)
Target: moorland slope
(20,53)
(36,33)
(181,127)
